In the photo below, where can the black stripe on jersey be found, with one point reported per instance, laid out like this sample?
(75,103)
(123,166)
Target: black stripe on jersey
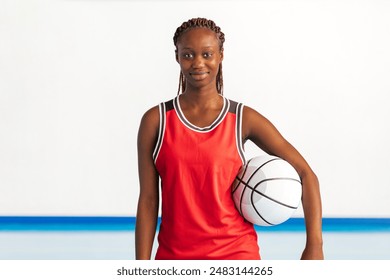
(161,130)
(233,107)
(169,105)
(218,120)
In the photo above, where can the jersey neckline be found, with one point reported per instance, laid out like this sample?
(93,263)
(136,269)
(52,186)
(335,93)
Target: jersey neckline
(187,123)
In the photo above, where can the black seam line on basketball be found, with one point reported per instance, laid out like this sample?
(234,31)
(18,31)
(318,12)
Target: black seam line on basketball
(245,184)
(242,193)
(239,179)
(274,200)
(257,169)
(266,196)
(246,167)
(261,217)
(278,178)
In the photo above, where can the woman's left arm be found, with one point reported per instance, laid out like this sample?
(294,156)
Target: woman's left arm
(264,134)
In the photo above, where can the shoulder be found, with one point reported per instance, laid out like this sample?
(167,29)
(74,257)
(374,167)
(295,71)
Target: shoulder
(254,124)
(149,125)
(150,121)
(250,113)
(151,116)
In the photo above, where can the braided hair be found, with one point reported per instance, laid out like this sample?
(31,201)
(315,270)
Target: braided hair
(205,23)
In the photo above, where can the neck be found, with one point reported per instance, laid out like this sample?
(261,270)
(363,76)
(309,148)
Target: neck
(202,98)
(203,92)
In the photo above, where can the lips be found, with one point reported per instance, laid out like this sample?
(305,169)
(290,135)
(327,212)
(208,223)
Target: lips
(199,73)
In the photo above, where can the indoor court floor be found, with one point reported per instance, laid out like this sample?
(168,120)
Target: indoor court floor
(77,241)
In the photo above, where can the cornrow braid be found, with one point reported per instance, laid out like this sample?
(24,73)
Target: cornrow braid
(196,23)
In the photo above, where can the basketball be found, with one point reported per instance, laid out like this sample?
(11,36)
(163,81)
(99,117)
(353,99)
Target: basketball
(267,190)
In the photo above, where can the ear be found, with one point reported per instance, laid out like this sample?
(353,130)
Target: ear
(221,53)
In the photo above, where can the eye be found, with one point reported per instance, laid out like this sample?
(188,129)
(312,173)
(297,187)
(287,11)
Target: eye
(207,54)
(188,55)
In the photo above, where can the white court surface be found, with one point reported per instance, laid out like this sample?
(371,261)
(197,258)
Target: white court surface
(119,245)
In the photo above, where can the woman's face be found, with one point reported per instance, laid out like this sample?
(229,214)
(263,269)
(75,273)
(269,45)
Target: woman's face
(199,56)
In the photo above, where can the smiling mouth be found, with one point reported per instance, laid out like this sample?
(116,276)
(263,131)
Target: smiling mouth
(198,73)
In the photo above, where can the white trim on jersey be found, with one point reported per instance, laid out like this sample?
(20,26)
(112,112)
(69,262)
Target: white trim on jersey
(161,131)
(240,147)
(214,124)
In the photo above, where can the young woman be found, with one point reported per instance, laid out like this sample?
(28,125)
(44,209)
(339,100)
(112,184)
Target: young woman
(193,143)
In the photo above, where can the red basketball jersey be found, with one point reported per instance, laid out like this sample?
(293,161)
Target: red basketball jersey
(197,167)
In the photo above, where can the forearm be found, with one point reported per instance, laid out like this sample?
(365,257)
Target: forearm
(145,230)
(311,202)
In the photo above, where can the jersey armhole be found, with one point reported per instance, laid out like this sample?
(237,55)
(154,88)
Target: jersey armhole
(161,129)
(240,146)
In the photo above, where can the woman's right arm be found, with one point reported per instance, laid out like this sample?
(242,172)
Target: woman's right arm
(148,201)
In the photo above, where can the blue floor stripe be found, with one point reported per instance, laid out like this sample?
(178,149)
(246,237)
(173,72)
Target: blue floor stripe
(72,223)
(88,223)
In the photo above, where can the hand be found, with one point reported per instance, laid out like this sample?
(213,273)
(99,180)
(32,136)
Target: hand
(312,252)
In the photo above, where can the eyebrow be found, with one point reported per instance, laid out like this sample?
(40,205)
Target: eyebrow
(188,48)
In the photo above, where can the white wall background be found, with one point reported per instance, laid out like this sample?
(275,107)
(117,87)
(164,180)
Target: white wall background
(76,77)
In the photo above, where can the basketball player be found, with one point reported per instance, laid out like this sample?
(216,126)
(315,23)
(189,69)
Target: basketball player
(194,144)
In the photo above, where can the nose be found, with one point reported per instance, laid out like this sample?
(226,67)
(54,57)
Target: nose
(198,61)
